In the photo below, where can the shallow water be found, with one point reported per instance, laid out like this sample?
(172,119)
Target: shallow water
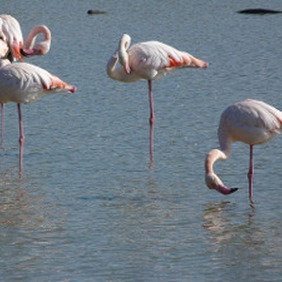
(88,207)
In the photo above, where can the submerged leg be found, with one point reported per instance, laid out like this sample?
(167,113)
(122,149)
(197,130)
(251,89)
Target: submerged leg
(21,140)
(250,175)
(152,119)
(2,122)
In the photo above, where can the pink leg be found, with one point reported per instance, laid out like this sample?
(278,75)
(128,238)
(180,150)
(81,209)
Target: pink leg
(21,140)
(152,119)
(2,122)
(250,175)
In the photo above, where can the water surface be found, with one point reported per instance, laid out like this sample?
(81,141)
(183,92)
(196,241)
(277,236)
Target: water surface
(88,207)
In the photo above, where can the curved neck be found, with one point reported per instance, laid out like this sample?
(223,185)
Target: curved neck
(29,43)
(42,47)
(119,73)
(124,44)
(213,156)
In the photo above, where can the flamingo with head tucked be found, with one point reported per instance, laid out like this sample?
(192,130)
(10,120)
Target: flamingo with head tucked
(11,34)
(25,83)
(148,60)
(252,122)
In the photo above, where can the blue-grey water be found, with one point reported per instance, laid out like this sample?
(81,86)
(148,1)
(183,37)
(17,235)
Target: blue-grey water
(88,207)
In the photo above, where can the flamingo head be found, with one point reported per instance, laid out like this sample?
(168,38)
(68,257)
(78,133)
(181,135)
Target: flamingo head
(214,182)
(225,190)
(41,48)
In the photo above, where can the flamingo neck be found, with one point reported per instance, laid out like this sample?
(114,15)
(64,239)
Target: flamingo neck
(42,47)
(119,73)
(212,157)
(122,52)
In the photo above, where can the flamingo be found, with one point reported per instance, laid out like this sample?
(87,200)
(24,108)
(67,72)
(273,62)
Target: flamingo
(10,32)
(252,122)
(25,83)
(148,60)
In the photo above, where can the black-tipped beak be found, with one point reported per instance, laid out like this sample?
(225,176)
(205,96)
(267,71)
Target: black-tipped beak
(232,190)
(27,53)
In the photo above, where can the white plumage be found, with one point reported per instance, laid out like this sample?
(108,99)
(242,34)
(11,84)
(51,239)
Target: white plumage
(252,122)
(25,83)
(148,60)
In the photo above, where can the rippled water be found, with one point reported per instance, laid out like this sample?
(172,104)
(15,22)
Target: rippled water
(88,207)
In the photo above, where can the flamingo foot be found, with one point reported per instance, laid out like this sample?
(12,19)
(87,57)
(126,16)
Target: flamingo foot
(225,190)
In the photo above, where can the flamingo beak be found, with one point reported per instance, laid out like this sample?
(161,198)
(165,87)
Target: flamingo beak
(225,190)
(127,68)
(27,53)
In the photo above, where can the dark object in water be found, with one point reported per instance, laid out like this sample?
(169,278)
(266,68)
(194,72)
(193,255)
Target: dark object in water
(95,12)
(259,11)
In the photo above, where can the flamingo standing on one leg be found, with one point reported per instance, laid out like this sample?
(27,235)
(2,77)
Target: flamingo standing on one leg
(252,122)
(25,83)
(10,32)
(148,60)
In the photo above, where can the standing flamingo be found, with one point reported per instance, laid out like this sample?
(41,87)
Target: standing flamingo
(25,83)
(252,122)
(148,60)
(10,32)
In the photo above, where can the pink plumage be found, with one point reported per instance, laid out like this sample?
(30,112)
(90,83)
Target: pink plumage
(148,60)
(10,32)
(25,83)
(252,122)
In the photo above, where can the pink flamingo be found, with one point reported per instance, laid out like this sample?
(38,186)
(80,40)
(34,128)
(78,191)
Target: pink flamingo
(148,60)
(252,122)
(25,83)
(10,32)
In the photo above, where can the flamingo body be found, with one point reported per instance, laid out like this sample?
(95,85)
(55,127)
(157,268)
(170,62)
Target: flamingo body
(252,122)
(25,83)
(148,60)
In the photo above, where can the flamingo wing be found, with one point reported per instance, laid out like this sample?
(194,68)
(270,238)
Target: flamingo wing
(154,59)
(25,83)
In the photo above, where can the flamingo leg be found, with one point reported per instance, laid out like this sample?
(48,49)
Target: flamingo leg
(2,122)
(152,119)
(21,140)
(250,175)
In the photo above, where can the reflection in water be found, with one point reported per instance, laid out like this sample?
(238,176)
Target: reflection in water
(219,218)
(26,227)
(216,223)
(233,244)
